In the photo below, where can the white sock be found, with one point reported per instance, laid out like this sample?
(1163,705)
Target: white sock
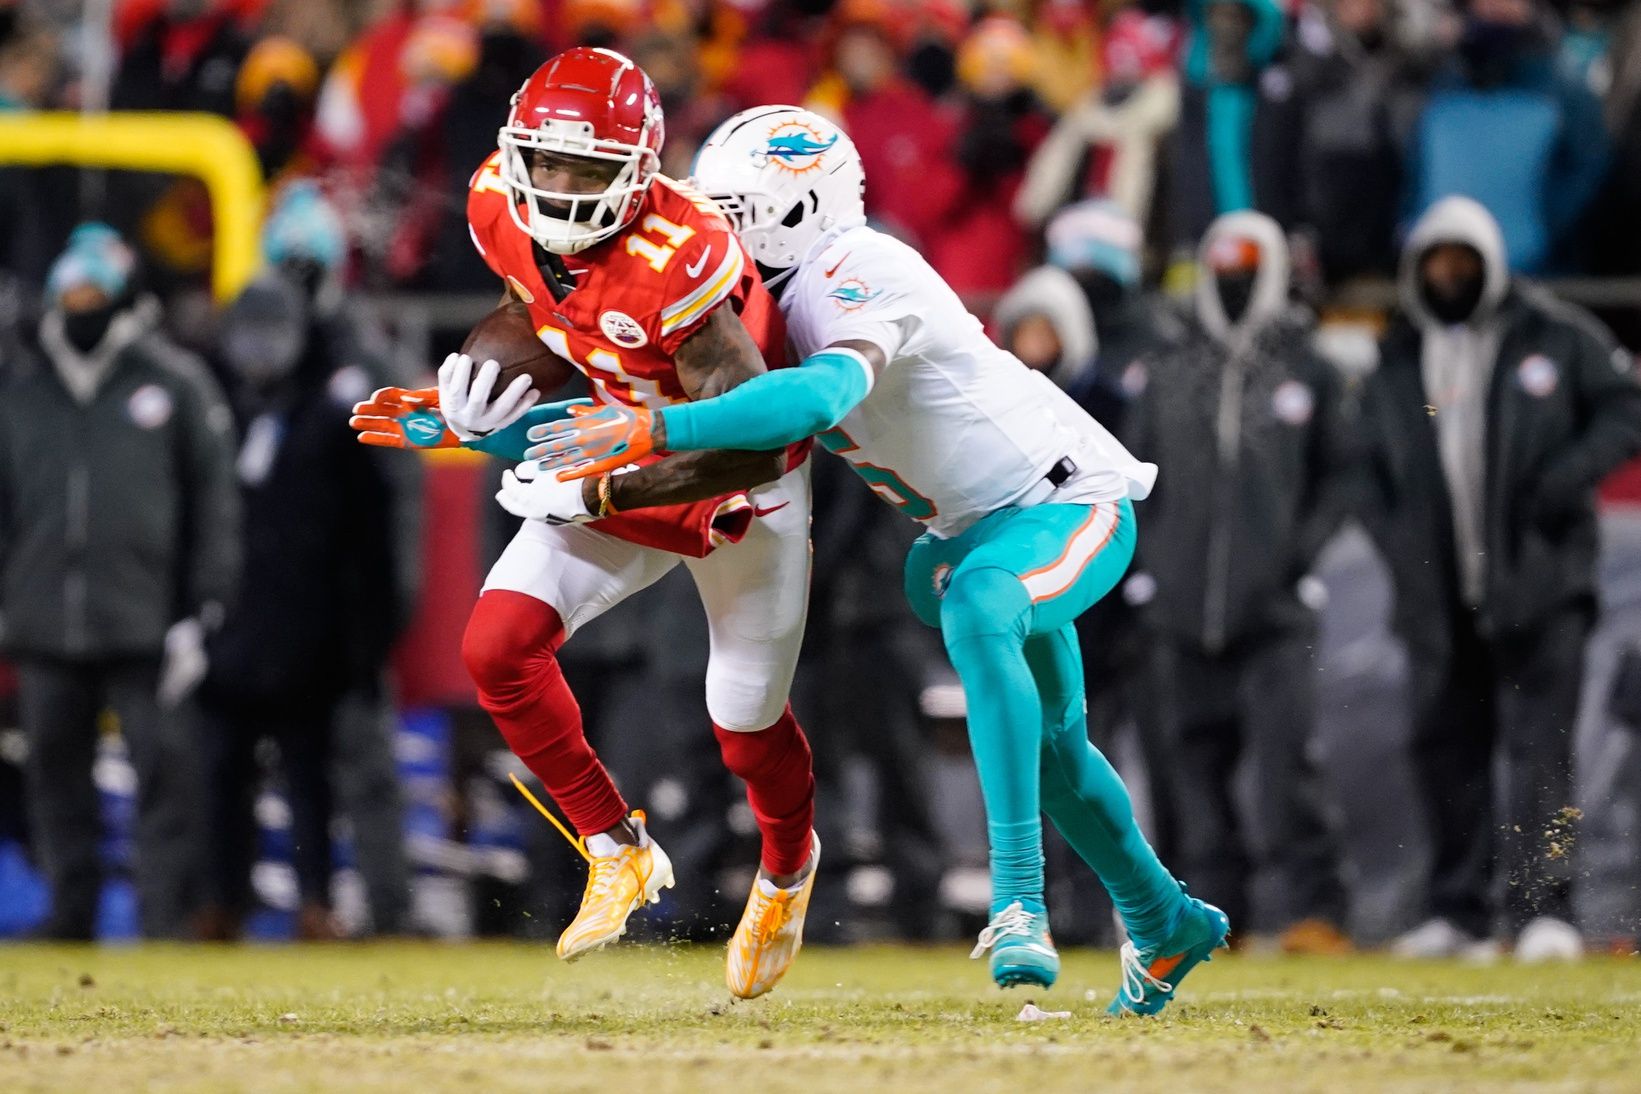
(602,846)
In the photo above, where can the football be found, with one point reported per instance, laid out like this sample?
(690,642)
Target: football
(508,337)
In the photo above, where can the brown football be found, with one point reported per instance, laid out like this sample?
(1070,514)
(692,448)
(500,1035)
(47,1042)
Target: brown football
(508,337)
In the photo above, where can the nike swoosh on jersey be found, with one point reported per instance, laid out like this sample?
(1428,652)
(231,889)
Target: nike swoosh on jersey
(772,509)
(700,263)
(834,269)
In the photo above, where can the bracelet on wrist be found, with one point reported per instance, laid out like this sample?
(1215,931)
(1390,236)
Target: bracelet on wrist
(606,491)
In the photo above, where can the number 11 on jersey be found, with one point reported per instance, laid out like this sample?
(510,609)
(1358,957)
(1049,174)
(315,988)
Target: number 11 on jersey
(656,254)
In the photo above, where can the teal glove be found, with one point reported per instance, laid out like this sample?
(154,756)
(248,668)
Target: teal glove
(509,443)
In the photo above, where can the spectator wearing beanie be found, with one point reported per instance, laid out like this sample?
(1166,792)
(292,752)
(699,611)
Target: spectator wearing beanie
(977,246)
(119,550)
(1100,245)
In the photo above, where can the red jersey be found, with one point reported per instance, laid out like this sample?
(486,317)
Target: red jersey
(638,296)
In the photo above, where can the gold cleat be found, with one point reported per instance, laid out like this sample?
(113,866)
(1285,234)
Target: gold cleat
(770,933)
(617,885)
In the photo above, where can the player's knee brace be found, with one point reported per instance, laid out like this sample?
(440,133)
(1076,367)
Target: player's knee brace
(986,601)
(510,640)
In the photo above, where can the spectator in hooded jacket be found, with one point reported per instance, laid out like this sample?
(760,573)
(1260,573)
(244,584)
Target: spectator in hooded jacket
(1494,413)
(303,240)
(1046,322)
(1503,126)
(316,614)
(1245,417)
(118,553)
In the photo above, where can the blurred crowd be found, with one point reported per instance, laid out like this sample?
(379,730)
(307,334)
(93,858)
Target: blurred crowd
(1339,118)
(1152,202)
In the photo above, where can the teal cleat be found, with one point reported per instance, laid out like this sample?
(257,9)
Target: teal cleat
(1022,952)
(1149,976)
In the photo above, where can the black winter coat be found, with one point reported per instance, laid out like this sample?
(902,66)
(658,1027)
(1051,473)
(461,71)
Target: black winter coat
(318,607)
(1564,410)
(118,517)
(1253,480)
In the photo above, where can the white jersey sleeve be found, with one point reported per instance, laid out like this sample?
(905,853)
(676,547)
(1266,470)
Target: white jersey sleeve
(862,296)
(953,427)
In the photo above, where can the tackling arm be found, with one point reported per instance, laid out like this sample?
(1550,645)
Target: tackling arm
(777,408)
(717,358)
(767,411)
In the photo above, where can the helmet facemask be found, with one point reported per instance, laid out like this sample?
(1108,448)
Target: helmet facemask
(766,223)
(566,222)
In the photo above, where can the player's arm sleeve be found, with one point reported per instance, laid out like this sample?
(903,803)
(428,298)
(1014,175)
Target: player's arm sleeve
(775,409)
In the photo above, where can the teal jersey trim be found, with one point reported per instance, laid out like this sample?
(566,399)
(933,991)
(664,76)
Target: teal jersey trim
(772,410)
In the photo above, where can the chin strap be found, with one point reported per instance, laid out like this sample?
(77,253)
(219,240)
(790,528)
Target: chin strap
(560,281)
(773,280)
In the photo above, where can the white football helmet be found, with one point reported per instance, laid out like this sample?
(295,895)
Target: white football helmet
(785,177)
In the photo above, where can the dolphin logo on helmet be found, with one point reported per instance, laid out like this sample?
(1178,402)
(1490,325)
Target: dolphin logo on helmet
(797,150)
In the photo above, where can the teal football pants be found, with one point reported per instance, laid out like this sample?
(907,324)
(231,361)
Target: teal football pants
(1005,595)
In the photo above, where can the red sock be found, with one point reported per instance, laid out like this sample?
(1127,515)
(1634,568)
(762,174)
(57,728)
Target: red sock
(780,786)
(510,649)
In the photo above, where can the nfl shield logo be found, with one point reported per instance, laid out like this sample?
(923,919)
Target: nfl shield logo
(622,329)
(1538,375)
(1293,403)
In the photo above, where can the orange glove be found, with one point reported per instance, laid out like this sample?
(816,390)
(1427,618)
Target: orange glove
(397,417)
(593,440)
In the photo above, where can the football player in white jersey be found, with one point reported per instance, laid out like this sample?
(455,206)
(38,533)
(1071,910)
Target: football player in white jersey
(1025,497)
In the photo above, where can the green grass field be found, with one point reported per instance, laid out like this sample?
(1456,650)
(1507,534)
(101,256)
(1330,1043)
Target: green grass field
(636,1020)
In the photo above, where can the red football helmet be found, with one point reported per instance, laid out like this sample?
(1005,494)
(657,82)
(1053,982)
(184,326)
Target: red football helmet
(590,104)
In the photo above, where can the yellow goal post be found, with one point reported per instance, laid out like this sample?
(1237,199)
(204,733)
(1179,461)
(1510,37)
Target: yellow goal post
(206,146)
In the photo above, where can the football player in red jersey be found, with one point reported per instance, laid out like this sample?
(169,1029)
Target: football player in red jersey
(641,284)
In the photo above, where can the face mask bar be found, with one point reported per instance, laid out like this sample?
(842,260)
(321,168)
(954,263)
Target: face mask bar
(755,215)
(564,222)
